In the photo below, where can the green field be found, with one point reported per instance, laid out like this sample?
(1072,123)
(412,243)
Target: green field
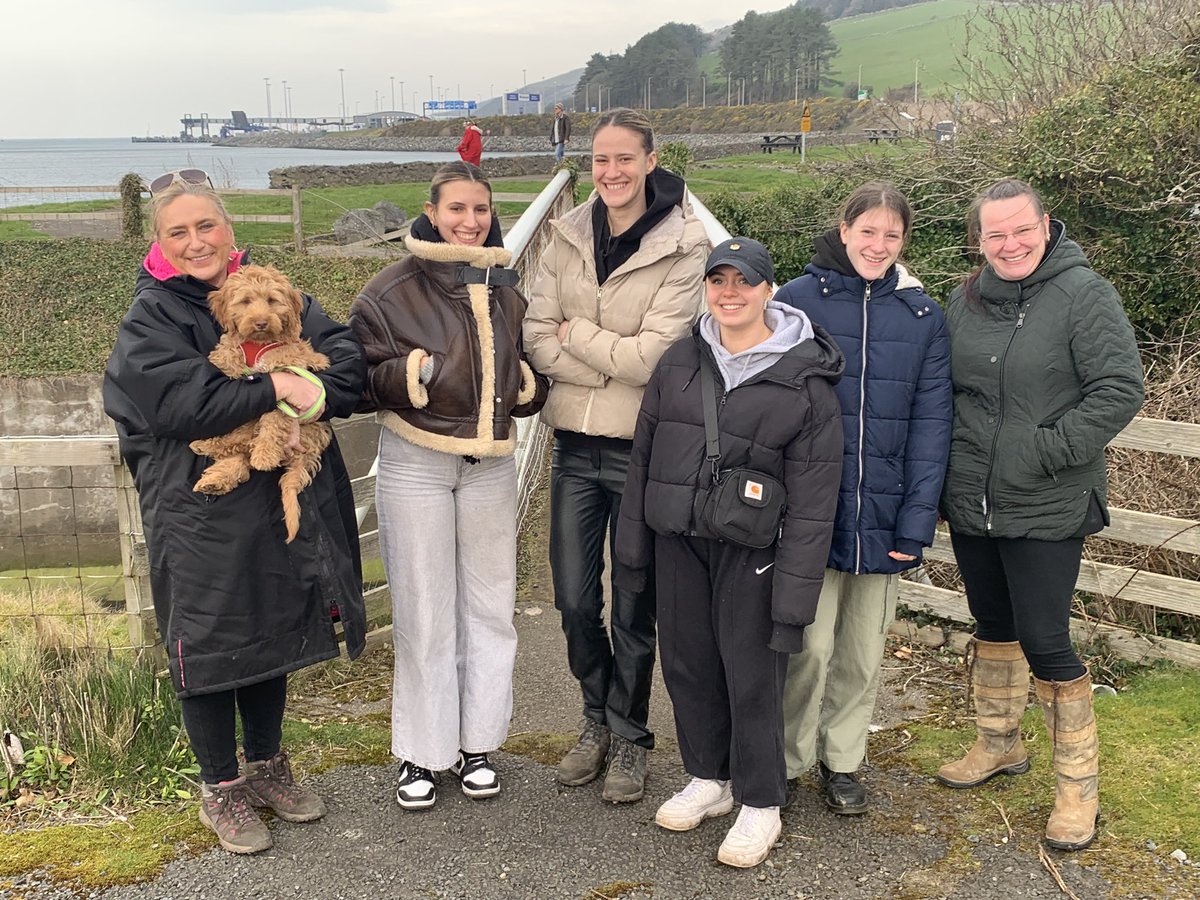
(889,45)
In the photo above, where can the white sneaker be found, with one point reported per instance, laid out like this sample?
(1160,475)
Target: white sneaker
(751,838)
(703,798)
(476,774)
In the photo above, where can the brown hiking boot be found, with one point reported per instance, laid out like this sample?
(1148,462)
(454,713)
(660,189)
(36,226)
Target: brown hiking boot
(999,677)
(625,781)
(225,809)
(269,783)
(1071,721)
(585,760)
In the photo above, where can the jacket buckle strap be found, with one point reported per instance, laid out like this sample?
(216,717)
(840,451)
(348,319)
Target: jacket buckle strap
(491,276)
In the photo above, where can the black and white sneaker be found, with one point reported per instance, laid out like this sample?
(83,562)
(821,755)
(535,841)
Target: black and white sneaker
(478,778)
(416,789)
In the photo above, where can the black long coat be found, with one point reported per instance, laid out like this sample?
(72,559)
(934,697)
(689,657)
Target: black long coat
(235,604)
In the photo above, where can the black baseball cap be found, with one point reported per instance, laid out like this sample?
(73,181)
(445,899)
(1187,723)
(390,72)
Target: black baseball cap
(746,255)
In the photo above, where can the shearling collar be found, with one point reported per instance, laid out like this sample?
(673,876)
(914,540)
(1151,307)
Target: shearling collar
(482,257)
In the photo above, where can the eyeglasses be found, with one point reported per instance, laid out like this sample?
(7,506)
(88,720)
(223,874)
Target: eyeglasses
(188,176)
(999,238)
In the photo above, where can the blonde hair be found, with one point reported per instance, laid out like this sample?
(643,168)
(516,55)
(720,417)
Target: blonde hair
(177,189)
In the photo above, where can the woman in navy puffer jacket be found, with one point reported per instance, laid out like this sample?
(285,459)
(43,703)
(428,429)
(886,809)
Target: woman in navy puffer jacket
(896,418)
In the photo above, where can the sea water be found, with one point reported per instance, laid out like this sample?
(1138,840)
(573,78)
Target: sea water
(103,161)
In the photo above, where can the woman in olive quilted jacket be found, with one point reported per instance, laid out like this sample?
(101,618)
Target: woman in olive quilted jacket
(1046,372)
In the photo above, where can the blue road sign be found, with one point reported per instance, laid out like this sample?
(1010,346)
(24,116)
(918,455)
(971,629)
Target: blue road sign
(535,98)
(513,96)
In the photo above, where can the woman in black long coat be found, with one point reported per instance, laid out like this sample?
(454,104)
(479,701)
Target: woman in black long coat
(237,607)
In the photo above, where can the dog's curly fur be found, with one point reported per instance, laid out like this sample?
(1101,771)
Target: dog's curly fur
(259,304)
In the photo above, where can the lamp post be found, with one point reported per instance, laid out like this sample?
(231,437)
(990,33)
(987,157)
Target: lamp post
(431,95)
(742,99)
(392,78)
(728,89)
(342,79)
(524,79)
(402,97)
(267,83)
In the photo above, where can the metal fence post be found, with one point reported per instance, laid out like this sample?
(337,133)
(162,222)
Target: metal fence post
(297,219)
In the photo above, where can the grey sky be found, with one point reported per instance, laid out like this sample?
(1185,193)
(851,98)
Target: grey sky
(77,68)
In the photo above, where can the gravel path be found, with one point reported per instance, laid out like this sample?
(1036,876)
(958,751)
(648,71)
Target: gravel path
(540,840)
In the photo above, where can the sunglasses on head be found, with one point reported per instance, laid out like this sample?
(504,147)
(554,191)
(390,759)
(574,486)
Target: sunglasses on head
(188,176)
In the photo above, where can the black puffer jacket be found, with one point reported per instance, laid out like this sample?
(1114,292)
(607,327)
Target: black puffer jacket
(784,421)
(235,604)
(1046,372)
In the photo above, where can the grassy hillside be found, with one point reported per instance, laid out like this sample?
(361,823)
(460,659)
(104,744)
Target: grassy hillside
(889,44)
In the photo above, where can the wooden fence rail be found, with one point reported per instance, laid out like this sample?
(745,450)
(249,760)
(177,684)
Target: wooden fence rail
(295,218)
(1149,589)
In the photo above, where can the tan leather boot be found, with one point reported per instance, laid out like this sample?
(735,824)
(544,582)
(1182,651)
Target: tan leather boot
(999,678)
(1071,722)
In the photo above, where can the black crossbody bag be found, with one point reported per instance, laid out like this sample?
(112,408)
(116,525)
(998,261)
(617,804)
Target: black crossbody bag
(742,506)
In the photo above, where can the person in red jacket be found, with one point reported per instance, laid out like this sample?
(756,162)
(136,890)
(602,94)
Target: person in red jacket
(470,148)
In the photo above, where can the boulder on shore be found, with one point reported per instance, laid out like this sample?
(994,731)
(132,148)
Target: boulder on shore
(364,224)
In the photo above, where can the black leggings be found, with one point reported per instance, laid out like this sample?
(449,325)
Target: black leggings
(1020,590)
(210,720)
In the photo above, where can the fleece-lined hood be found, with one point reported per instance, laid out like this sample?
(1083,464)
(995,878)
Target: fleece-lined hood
(831,257)
(789,327)
(157,264)
(422,230)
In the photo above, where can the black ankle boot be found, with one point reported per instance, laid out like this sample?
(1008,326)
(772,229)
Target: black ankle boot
(843,794)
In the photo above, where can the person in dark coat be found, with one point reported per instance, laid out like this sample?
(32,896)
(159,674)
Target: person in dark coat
(896,413)
(1046,372)
(728,614)
(237,607)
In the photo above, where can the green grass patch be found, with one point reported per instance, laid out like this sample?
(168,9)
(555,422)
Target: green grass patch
(101,583)
(125,851)
(22,231)
(889,44)
(1149,754)
(65,206)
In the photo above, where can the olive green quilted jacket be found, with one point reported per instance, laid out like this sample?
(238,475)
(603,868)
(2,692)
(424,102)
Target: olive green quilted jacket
(1046,372)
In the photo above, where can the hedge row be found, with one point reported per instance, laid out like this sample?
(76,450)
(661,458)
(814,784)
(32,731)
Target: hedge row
(61,301)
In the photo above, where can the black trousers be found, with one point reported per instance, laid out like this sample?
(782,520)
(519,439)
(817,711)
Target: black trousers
(211,723)
(714,624)
(585,502)
(1020,590)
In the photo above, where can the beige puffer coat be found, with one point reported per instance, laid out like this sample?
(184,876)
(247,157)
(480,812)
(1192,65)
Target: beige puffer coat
(618,330)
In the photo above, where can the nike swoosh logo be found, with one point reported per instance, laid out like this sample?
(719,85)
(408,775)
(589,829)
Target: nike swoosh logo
(763,569)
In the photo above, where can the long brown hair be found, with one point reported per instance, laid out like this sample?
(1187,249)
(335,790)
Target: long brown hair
(458,170)
(875,194)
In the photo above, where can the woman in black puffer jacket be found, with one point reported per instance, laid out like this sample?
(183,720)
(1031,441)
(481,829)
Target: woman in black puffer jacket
(729,615)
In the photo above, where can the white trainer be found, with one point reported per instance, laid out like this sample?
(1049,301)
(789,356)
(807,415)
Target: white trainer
(751,838)
(702,799)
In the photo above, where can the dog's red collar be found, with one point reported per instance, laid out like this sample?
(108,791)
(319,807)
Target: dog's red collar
(253,351)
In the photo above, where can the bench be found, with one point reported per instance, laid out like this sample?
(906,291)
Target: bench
(771,142)
(874,135)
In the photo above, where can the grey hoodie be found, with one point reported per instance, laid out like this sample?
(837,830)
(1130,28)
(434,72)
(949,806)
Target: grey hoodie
(789,327)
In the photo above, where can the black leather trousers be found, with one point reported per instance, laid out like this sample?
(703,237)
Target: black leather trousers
(585,502)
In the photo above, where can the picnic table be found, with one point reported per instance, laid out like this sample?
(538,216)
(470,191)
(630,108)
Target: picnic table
(771,142)
(874,135)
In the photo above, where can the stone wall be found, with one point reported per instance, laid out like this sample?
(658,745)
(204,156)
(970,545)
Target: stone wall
(67,515)
(704,146)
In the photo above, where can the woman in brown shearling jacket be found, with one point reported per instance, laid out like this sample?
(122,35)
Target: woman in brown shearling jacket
(446,373)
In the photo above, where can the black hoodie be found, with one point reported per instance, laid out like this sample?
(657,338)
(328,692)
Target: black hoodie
(664,191)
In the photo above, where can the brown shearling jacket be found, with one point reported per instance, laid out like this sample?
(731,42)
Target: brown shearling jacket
(419,306)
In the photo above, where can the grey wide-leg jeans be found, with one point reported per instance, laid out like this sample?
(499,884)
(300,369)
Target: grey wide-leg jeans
(447,532)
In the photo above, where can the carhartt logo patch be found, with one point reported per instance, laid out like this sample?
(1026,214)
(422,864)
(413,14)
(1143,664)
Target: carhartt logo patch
(753,490)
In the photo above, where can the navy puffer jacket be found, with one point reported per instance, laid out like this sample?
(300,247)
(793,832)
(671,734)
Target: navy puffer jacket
(897,406)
